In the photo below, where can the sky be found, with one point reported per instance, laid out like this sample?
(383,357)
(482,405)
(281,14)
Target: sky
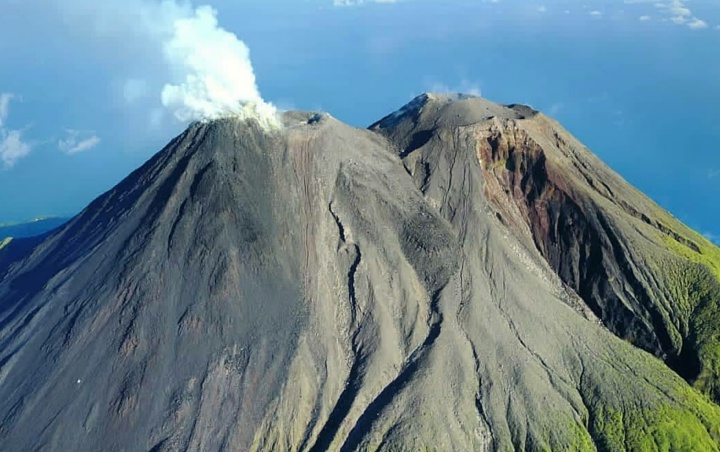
(90,90)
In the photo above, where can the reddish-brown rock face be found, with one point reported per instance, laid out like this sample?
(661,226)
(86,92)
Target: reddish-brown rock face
(527,188)
(608,242)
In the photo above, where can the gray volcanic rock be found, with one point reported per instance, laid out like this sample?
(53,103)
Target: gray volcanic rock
(321,287)
(651,280)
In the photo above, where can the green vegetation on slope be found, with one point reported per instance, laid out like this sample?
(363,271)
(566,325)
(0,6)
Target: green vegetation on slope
(659,428)
(694,281)
(658,412)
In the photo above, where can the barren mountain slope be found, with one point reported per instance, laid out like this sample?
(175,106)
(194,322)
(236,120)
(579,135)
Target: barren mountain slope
(306,289)
(652,281)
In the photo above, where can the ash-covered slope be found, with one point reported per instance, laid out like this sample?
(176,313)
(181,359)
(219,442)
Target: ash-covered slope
(323,287)
(651,280)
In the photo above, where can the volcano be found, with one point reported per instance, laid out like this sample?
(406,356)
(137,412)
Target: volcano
(461,275)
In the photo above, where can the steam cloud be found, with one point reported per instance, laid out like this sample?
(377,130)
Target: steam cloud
(217,77)
(209,68)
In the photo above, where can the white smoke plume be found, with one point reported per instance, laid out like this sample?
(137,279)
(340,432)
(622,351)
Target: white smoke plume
(208,68)
(216,75)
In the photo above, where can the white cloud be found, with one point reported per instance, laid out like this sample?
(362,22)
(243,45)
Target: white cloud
(12,145)
(464,87)
(677,11)
(596,13)
(679,19)
(76,143)
(5,99)
(360,2)
(676,8)
(542,9)
(697,24)
(645,18)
